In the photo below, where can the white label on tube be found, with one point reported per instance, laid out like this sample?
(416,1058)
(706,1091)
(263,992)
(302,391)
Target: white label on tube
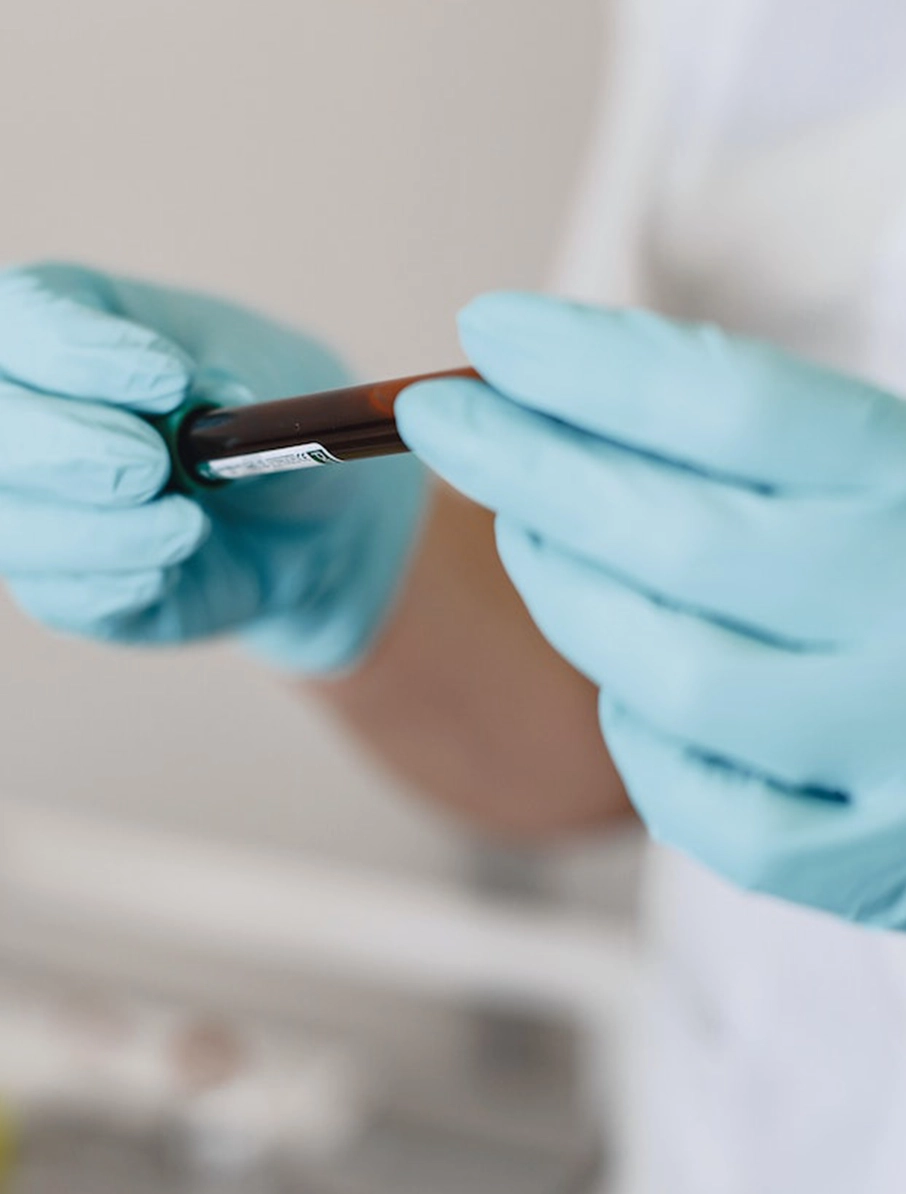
(275,460)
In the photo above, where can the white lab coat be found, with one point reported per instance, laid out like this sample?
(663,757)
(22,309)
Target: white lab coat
(750,167)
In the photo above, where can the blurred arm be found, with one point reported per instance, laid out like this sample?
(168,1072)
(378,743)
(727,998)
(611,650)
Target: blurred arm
(464,698)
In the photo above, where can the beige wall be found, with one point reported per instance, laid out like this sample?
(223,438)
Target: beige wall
(360,166)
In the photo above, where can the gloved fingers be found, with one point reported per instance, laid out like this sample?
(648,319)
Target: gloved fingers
(79,452)
(58,334)
(38,537)
(213,592)
(754,833)
(238,355)
(81,602)
(788,713)
(690,393)
(746,556)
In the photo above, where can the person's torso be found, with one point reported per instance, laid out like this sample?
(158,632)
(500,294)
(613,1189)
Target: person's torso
(762,184)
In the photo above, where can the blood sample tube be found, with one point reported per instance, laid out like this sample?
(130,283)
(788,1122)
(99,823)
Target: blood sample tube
(228,443)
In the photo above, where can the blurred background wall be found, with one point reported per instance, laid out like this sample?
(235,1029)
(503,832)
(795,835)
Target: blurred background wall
(360,167)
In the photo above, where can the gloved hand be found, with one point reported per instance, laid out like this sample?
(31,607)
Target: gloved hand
(715,533)
(305,563)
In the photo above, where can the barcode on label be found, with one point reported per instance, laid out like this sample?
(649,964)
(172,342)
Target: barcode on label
(275,460)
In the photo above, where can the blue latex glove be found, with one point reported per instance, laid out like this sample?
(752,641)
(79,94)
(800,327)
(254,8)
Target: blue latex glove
(305,563)
(715,533)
